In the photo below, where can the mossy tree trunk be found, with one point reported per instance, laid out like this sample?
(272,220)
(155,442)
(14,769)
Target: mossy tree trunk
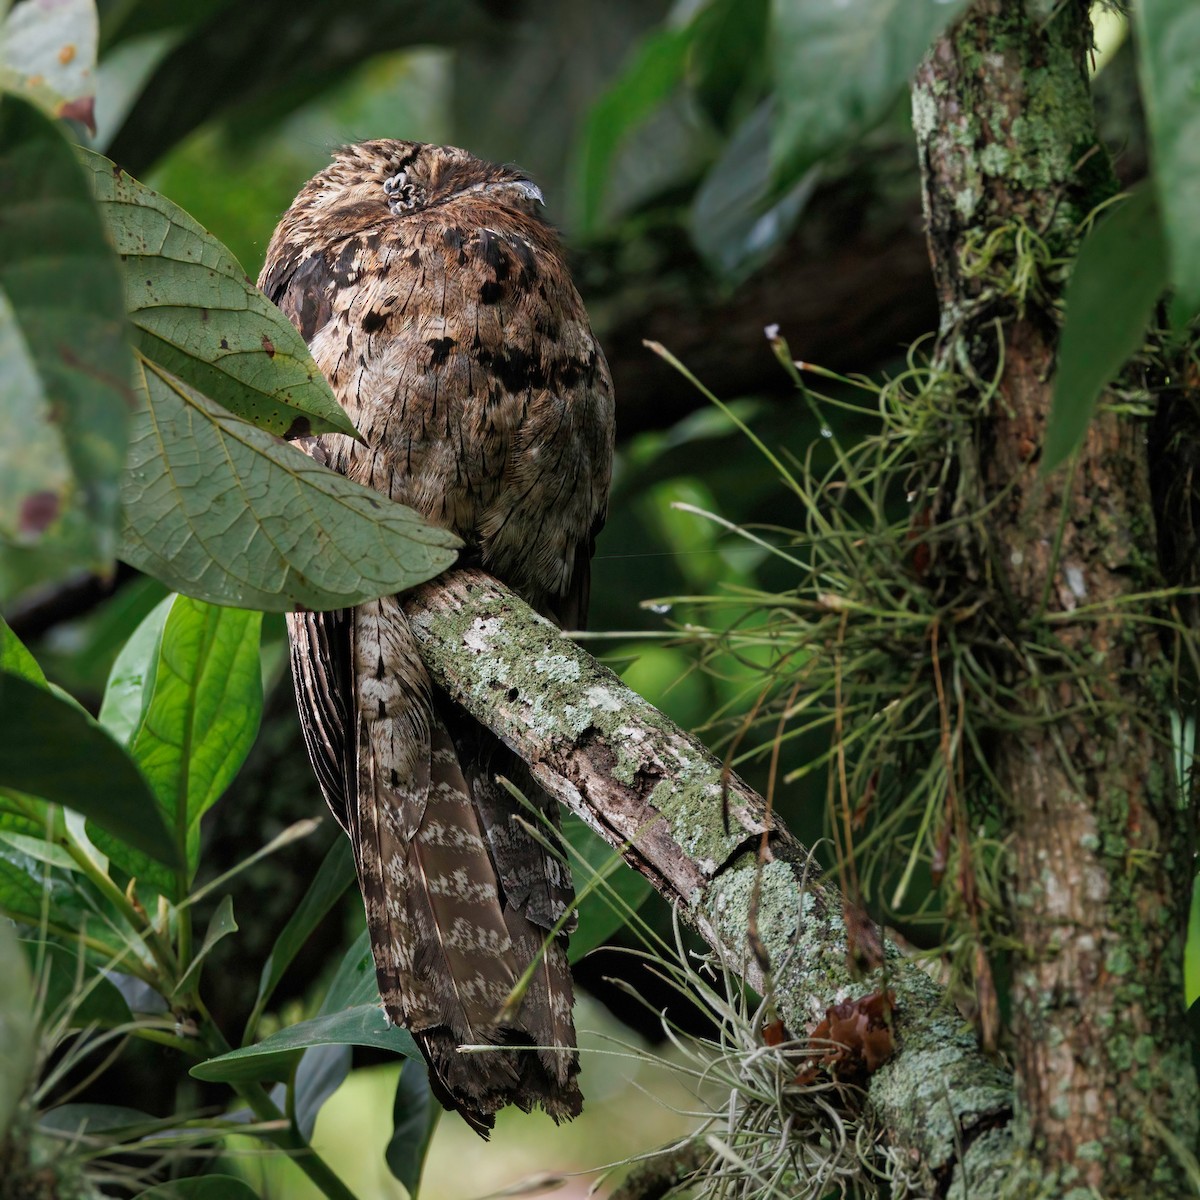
(1100,862)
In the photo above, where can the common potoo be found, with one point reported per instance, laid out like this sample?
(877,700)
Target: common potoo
(435,299)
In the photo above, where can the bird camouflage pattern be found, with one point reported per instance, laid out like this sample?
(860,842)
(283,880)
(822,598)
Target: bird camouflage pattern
(436,301)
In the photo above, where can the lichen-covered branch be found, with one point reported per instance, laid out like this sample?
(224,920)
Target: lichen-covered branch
(655,793)
(1099,847)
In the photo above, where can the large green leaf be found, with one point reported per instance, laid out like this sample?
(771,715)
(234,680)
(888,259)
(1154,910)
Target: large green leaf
(839,67)
(220,510)
(1120,272)
(190,738)
(198,316)
(48,53)
(52,749)
(276,1057)
(1169,51)
(64,359)
(414,1118)
(17,1032)
(334,876)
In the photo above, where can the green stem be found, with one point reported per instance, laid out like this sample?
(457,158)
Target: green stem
(263,1107)
(138,922)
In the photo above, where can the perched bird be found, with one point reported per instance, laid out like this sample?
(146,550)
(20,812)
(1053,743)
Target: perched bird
(436,301)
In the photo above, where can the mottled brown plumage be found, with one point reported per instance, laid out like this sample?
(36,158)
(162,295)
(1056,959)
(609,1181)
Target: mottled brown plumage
(436,301)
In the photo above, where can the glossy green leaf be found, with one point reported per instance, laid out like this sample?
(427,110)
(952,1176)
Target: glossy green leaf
(839,67)
(354,981)
(655,72)
(64,359)
(130,682)
(333,877)
(414,1118)
(605,907)
(218,509)
(202,1187)
(1169,51)
(16,659)
(199,317)
(48,53)
(17,1032)
(1119,274)
(221,925)
(97,777)
(205,701)
(276,1057)
(39,850)
(73,989)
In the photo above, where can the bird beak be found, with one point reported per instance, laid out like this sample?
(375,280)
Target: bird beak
(523,188)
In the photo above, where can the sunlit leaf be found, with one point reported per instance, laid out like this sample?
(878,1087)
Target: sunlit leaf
(1119,274)
(48,52)
(197,315)
(65,396)
(220,510)
(205,701)
(414,1118)
(275,1057)
(1169,50)
(17,1034)
(54,750)
(130,682)
(839,67)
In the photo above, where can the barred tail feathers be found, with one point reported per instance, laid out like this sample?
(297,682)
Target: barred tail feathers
(448,946)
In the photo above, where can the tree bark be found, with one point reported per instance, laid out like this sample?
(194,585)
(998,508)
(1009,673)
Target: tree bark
(655,793)
(1100,861)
